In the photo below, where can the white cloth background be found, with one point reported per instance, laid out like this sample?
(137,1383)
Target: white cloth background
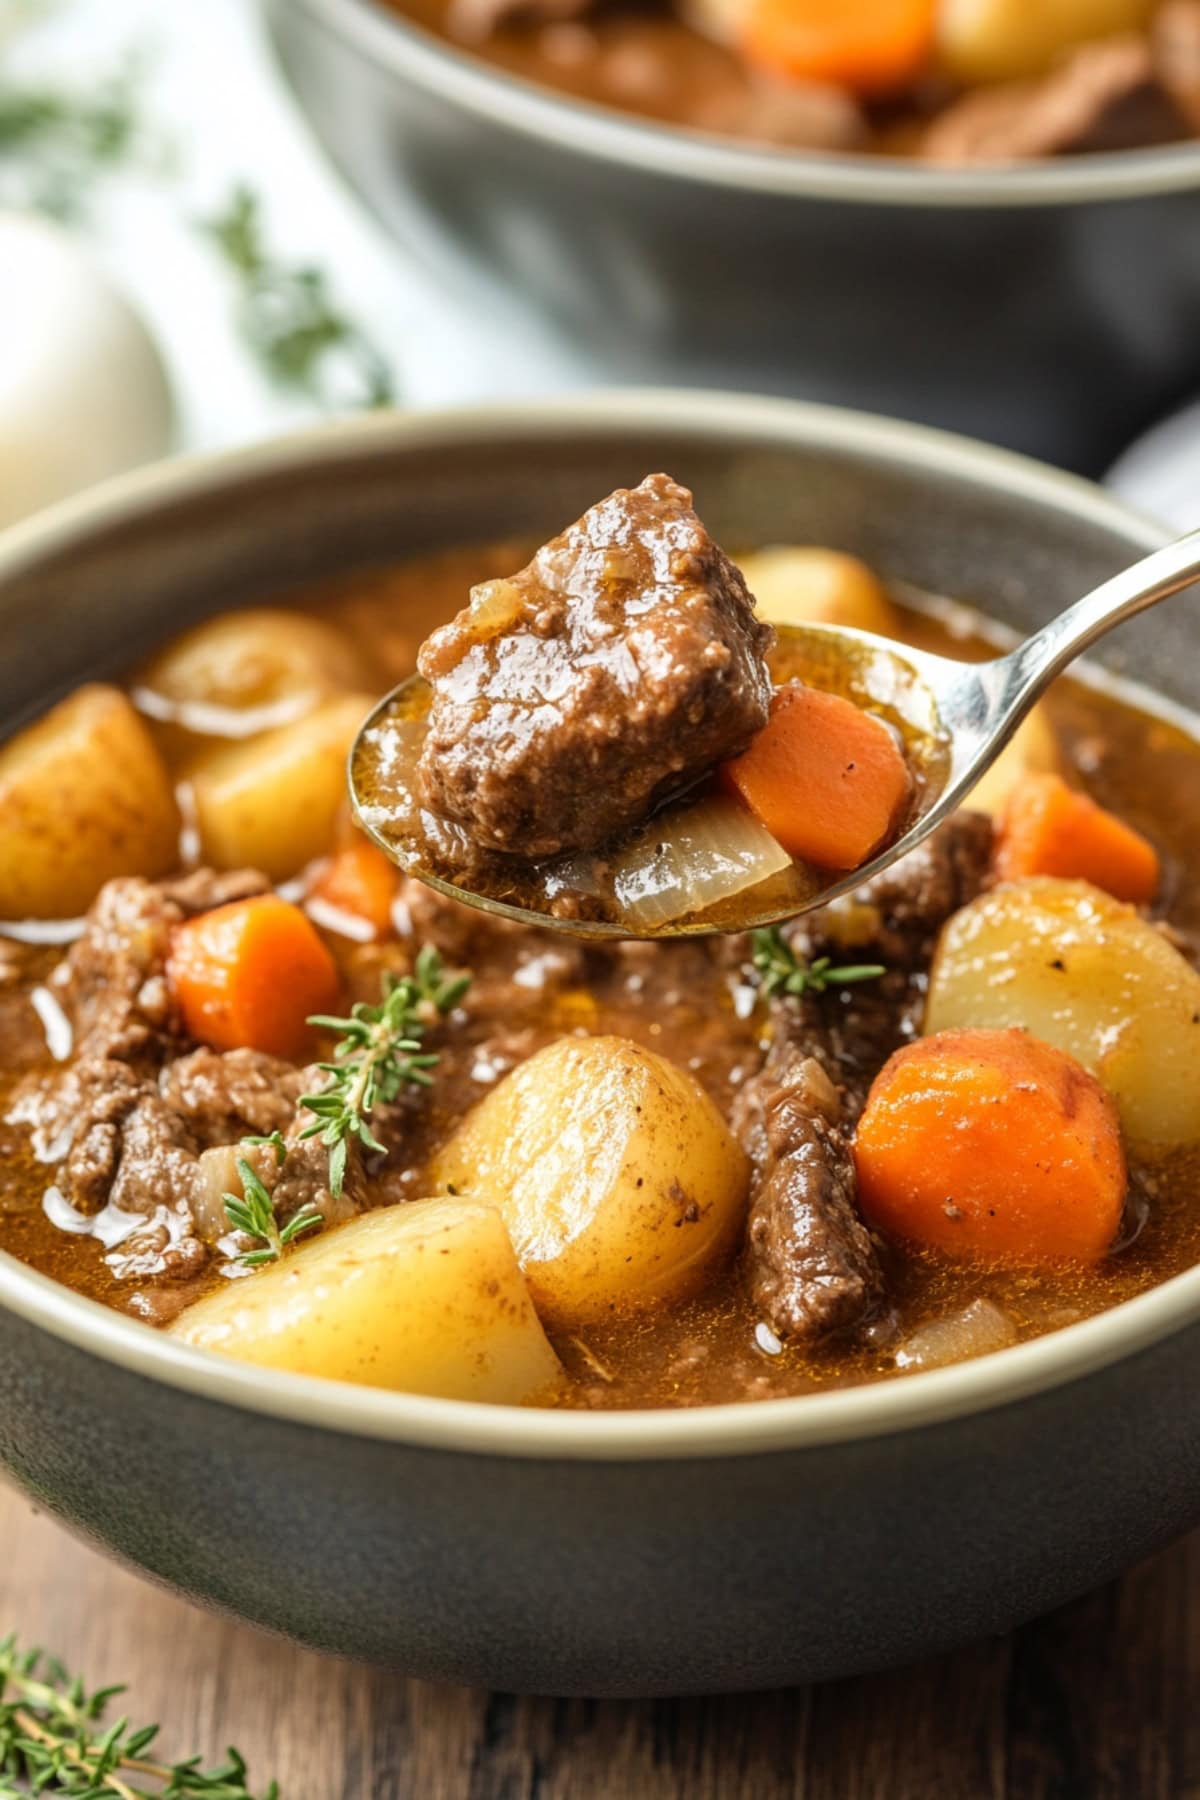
(213,90)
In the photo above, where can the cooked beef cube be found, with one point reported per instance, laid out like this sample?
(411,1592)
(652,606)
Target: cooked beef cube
(896,917)
(1103,96)
(616,669)
(811,1261)
(230,1094)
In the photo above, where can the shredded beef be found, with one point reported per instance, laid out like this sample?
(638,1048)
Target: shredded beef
(811,1262)
(621,665)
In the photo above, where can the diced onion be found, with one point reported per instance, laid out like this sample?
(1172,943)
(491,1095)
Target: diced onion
(494,607)
(975,1331)
(690,858)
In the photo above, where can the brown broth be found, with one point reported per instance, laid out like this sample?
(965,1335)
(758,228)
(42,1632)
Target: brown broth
(1142,764)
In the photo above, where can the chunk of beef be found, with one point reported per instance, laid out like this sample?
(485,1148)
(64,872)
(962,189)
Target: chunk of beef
(202,889)
(1102,96)
(896,917)
(112,982)
(812,1264)
(616,669)
(226,1095)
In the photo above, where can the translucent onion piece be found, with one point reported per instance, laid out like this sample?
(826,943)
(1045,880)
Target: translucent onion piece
(494,606)
(975,1331)
(690,858)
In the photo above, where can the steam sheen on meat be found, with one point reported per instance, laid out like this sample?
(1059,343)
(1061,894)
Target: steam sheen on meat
(616,669)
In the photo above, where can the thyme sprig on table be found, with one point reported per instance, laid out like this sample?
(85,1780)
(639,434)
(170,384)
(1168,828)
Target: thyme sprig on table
(379,1052)
(781,971)
(253,1211)
(53,1740)
(288,315)
(55,142)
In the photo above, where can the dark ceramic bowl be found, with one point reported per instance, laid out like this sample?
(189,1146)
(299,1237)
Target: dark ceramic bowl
(1051,307)
(570,1552)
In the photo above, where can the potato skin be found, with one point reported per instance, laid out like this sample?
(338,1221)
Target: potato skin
(422,1298)
(619,1181)
(271,803)
(266,663)
(1091,976)
(84,796)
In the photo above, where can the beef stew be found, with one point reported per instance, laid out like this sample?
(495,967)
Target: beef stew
(680,1118)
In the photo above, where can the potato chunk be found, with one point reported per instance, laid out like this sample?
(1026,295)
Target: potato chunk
(805,585)
(271,803)
(1091,976)
(425,1298)
(84,795)
(998,40)
(617,1177)
(1032,750)
(244,672)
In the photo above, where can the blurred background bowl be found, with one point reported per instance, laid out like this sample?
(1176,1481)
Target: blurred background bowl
(1050,307)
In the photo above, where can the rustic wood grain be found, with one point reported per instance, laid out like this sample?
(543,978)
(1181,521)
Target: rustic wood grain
(1097,1702)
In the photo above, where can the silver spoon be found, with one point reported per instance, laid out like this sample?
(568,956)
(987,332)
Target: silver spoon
(967,710)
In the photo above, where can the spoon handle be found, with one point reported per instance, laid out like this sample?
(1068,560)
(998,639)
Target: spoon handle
(1034,664)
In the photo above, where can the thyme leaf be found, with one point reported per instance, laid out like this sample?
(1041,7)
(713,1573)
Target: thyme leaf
(781,971)
(53,1740)
(253,1212)
(378,1052)
(288,316)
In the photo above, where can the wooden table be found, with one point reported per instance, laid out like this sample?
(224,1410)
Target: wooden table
(1097,1702)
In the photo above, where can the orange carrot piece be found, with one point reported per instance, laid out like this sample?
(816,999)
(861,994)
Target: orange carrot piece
(867,45)
(826,779)
(992,1144)
(248,975)
(1048,828)
(359,879)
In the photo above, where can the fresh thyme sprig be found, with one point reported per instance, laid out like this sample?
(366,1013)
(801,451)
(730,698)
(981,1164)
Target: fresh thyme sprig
(288,316)
(53,1741)
(783,972)
(379,1051)
(254,1213)
(56,142)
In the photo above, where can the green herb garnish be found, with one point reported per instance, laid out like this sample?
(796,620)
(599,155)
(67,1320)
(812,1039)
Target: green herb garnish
(254,1213)
(783,972)
(288,316)
(53,1741)
(56,142)
(378,1053)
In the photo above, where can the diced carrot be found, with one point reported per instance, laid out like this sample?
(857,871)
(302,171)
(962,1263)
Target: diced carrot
(359,879)
(248,975)
(1048,828)
(992,1144)
(867,45)
(826,779)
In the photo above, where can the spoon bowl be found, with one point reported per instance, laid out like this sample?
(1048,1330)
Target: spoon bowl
(954,718)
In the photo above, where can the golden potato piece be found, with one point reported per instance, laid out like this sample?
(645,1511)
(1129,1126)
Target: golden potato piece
(1091,976)
(617,1177)
(272,802)
(801,585)
(1033,750)
(84,795)
(1000,40)
(425,1298)
(244,672)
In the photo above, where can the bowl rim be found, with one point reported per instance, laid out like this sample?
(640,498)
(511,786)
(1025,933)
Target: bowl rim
(800,1423)
(608,135)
